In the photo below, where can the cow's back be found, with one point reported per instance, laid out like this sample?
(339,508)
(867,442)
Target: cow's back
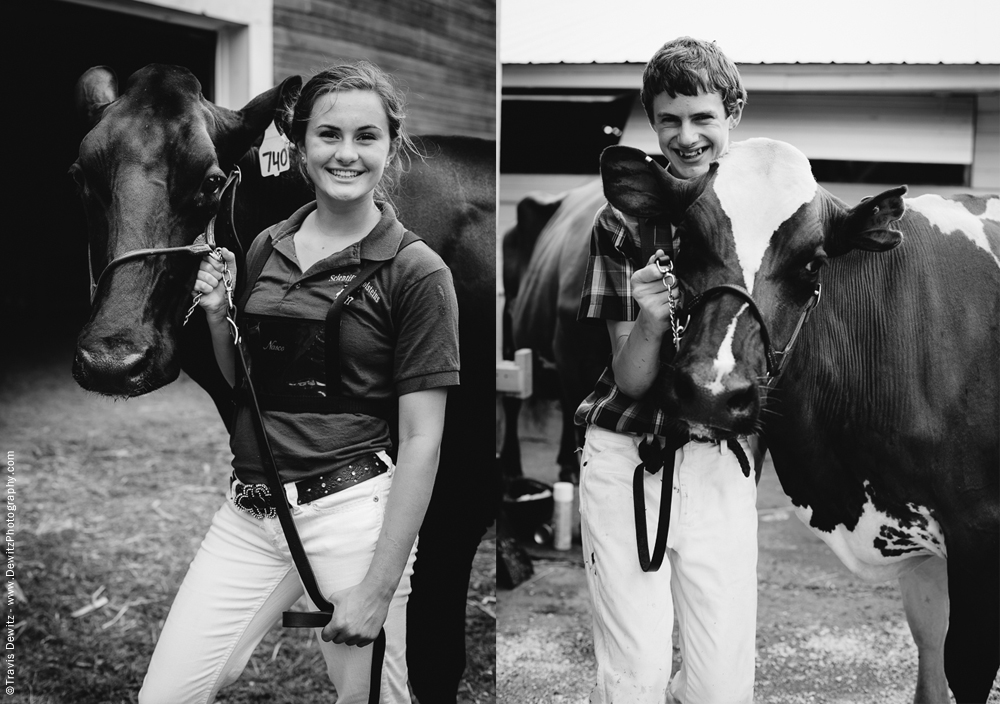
(552,283)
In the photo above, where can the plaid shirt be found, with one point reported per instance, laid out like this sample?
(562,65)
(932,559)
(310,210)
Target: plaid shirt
(615,248)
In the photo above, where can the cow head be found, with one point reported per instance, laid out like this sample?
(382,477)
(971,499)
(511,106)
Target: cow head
(757,221)
(150,172)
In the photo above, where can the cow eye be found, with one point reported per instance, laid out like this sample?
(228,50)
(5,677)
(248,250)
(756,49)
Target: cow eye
(815,265)
(212,184)
(76,173)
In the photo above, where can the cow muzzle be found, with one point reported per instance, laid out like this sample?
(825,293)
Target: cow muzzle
(720,396)
(128,346)
(123,364)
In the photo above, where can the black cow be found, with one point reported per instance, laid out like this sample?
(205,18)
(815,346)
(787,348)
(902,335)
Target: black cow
(883,420)
(544,261)
(150,173)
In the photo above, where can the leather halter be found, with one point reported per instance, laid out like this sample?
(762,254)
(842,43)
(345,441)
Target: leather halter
(202,245)
(775,359)
(655,235)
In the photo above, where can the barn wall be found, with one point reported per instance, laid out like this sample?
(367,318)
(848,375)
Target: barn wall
(986,167)
(442,51)
(890,128)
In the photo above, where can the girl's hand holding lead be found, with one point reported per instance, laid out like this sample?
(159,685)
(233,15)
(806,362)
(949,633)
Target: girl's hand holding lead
(358,616)
(211,286)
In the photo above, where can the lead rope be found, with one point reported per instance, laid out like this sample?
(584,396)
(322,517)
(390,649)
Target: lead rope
(229,282)
(290,619)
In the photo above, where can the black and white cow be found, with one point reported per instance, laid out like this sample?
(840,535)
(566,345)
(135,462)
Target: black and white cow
(884,420)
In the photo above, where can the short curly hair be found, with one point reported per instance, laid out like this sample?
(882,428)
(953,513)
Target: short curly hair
(689,66)
(359,75)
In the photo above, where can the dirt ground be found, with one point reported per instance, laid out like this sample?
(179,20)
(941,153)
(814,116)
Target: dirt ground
(112,501)
(823,635)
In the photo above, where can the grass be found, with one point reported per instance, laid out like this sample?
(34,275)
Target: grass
(113,499)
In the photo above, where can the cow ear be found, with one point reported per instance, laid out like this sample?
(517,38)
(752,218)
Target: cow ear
(95,90)
(632,183)
(638,186)
(288,94)
(534,211)
(237,131)
(872,225)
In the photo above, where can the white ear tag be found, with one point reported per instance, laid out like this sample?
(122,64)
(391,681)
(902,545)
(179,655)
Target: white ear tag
(273,152)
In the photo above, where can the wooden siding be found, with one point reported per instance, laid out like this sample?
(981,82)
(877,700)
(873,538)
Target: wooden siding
(890,128)
(986,167)
(443,52)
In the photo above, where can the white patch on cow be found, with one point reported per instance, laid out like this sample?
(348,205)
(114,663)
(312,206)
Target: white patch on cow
(726,361)
(857,548)
(760,184)
(950,216)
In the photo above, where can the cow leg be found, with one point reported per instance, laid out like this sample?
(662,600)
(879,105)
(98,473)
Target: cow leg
(510,453)
(579,364)
(925,599)
(972,647)
(569,464)
(462,507)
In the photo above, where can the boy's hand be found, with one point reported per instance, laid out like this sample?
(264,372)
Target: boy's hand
(210,285)
(653,297)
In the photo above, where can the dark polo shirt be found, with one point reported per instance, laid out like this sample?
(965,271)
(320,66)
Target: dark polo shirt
(398,335)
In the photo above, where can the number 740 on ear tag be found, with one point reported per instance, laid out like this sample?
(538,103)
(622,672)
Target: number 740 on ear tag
(273,152)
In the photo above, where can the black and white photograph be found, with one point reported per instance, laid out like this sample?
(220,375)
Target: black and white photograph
(751,283)
(736,264)
(306,515)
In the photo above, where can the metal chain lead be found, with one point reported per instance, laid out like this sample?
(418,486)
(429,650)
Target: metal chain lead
(229,281)
(665,265)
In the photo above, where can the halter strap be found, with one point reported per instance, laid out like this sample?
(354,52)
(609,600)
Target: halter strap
(775,359)
(202,245)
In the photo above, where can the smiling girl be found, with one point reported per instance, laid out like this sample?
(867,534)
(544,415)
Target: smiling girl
(356,511)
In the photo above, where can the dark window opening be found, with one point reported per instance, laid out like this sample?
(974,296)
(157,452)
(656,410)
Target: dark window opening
(67,39)
(559,136)
(889,172)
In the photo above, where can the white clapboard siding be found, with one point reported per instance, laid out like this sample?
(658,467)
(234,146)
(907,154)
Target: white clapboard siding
(986,167)
(845,127)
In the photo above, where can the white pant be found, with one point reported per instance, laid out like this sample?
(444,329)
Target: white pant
(710,573)
(243,578)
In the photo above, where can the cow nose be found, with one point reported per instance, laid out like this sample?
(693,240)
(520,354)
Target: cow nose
(741,399)
(105,367)
(723,403)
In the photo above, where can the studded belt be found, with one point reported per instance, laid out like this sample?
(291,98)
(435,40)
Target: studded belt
(257,500)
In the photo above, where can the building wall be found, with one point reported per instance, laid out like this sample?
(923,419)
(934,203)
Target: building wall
(844,126)
(986,163)
(442,51)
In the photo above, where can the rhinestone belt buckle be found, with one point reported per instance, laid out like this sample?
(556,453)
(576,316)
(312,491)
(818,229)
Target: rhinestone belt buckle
(254,499)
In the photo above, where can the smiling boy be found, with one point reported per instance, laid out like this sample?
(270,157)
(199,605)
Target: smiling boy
(693,97)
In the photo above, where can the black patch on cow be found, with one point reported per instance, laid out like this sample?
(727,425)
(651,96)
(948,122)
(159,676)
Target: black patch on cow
(893,542)
(974,204)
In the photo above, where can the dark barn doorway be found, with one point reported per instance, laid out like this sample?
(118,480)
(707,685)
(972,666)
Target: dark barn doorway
(44,294)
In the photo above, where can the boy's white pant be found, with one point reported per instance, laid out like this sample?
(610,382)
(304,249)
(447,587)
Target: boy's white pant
(709,576)
(243,578)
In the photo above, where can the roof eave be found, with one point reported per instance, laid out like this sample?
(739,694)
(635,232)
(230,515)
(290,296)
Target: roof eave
(828,77)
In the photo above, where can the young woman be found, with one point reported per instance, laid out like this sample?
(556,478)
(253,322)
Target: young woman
(356,511)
